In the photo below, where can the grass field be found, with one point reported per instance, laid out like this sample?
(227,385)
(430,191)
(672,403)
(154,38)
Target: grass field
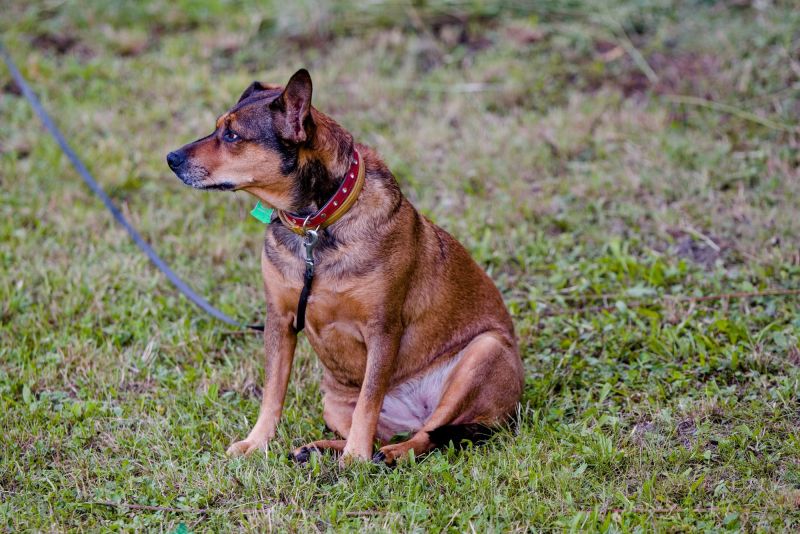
(605,162)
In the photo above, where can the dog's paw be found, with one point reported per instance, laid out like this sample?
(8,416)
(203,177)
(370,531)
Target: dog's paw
(350,457)
(302,454)
(245,448)
(379,458)
(391,454)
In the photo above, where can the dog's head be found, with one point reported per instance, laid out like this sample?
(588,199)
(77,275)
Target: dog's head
(255,144)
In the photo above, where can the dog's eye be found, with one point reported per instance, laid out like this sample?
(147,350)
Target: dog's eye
(230,136)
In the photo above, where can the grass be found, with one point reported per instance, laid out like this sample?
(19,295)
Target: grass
(610,154)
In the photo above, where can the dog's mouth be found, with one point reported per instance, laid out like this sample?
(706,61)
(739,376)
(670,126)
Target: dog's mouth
(196,178)
(222,186)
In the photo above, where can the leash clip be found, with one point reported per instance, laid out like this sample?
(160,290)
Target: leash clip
(310,240)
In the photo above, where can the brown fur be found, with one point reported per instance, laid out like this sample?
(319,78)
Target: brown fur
(394,297)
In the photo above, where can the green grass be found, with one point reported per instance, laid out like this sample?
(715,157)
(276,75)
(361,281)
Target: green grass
(543,136)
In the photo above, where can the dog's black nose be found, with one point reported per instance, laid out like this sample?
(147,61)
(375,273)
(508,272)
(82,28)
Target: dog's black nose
(175,159)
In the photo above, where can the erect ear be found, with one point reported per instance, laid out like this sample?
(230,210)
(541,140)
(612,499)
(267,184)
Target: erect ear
(256,87)
(293,108)
(253,88)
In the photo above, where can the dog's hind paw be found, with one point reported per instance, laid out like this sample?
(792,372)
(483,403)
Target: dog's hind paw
(303,454)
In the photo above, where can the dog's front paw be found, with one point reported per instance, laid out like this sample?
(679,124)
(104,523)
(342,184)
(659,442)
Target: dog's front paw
(350,456)
(245,447)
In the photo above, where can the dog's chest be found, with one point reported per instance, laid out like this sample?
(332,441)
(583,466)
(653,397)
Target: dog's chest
(334,327)
(338,307)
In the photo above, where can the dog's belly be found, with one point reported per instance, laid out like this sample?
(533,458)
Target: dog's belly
(409,404)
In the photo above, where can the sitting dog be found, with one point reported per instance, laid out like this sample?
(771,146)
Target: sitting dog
(413,336)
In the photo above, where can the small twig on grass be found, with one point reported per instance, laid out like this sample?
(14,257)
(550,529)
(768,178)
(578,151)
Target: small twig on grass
(149,508)
(739,295)
(727,108)
(195,511)
(636,55)
(673,509)
(611,24)
(364,513)
(703,237)
(573,311)
(239,332)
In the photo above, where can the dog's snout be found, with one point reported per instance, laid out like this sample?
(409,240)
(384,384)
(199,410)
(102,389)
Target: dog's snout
(175,159)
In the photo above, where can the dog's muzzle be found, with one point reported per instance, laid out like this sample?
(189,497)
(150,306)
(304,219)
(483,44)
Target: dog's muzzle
(176,159)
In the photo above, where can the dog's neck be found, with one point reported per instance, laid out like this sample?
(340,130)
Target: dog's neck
(321,165)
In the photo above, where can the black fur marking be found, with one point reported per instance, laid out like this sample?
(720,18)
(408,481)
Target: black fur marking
(288,154)
(395,208)
(472,432)
(314,186)
(442,247)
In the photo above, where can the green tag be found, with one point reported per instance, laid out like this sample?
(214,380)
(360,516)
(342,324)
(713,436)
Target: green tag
(261,213)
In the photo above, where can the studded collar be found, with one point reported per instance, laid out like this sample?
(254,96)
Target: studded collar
(335,207)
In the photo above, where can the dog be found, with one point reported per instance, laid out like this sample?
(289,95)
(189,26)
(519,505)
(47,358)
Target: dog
(412,334)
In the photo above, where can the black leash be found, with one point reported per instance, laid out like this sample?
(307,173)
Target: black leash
(118,216)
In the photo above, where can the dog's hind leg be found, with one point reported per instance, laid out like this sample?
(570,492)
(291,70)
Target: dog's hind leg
(481,392)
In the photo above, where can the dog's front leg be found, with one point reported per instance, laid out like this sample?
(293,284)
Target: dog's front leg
(279,341)
(382,346)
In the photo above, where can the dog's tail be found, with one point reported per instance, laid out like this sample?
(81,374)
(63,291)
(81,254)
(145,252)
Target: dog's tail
(471,432)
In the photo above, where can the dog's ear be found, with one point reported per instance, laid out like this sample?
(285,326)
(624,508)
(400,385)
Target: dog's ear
(256,87)
(253,88)
(293,108)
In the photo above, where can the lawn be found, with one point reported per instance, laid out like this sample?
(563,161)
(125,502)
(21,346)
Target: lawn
(607,163)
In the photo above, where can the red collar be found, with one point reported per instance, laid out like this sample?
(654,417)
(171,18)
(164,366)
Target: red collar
(335,207)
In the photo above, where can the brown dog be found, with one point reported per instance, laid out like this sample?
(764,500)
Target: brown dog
(413,335)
